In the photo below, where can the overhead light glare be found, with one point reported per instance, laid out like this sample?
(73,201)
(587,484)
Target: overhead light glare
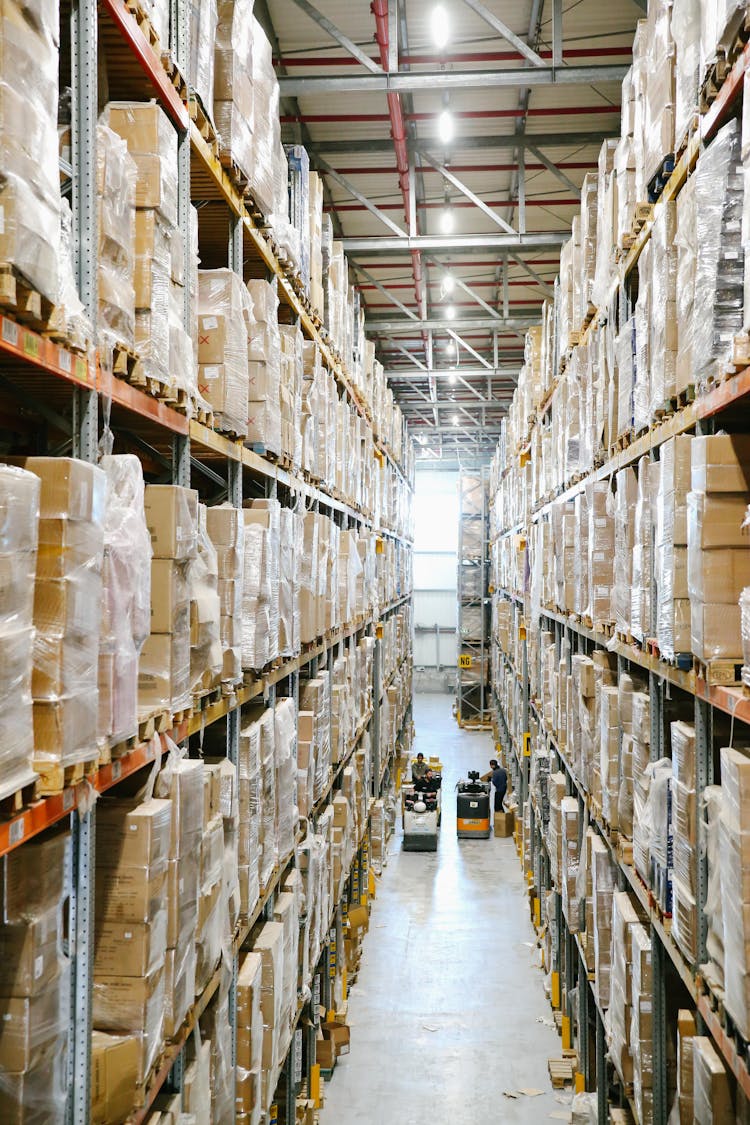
(449,283)
(452,379)
(455,419)
(447,220)
(440,26)
(445,126)
(450,312)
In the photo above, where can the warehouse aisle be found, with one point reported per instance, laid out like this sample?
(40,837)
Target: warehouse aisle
(444,1012)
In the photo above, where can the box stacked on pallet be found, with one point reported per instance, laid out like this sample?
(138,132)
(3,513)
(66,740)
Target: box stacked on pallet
(225,323)
(609,753)
(34,981)
(30,190)
(206,654)
(712,1096)
(640,605)
(249,1040)
(641,1025)
(315,702)
(249,798)
(216,1024)
(116,179)
(126,597)
(225,527)
(152,144)
(233,82)
(202,22)
(602,888)
(19,537)
(132,851)
(264,369)
(686,1032)
(717,556)
(734,849)
(685,815)
(213,918)
(316,235)
(569,819)
(164,672)
(621,999)
(290,392)
(260,591)
(181,781)
(67,596)
(670,547)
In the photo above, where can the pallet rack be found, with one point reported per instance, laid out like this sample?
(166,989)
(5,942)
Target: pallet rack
(677,982)
(472,614)
(62,392)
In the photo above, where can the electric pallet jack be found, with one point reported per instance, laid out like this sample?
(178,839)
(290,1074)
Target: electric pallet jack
(473,808)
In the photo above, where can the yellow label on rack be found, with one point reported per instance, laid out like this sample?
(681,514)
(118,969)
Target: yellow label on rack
(522,632)
(315,1085)
(555,991)
(526,745)
(379,546)
(565,1030)
(464,660)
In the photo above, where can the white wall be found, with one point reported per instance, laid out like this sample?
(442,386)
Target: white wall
(435,546)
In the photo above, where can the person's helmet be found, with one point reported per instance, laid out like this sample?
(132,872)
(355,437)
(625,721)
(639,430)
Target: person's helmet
(420,806)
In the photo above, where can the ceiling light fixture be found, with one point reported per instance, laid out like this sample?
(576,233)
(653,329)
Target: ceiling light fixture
(445,126)
(455,419)
(452,379)
(449,283)
(440,26)
(450,312)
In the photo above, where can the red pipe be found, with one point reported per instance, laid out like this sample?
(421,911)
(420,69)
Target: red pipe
(379,9)
(474,57)
(474,114)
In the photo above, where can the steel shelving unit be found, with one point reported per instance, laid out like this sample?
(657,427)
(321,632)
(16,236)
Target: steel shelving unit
(65,393)
(678,981)
(472,613)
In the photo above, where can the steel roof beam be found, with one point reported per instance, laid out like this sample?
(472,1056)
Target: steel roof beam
(386,292)
(385,327)
(335,33)
(503,30)
(419,81)
(325,167)
(450,244)
(494,140)
(404,375)
(553,169)
(470,195)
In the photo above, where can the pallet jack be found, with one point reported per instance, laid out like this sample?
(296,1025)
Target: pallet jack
(473,808)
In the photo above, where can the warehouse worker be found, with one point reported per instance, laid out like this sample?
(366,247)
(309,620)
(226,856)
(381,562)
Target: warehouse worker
(428,783)
(418,768)
(500,782)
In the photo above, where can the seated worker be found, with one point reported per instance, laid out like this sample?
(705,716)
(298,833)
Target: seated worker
(418,768)
(429,783)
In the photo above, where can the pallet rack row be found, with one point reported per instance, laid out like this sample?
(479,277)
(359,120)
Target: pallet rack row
(472,611)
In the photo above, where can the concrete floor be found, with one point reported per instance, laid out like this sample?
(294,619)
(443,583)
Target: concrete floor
(444,1013)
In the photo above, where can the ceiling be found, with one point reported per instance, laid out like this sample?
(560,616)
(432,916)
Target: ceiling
(354,76)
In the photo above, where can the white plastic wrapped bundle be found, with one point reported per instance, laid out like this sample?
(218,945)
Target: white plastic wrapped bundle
(29,183)
(70,316)
(206,654)
(713,796)
(719,275)
(734,863)
(126,596)
(285,721)
(19,534)
(687,256)
(266,110)
(249,1039)
(217,1027)
(641,1024)
(33,1087)
(289,585)
(225,319)
(267,824)
(657,91)
(250,809)
(686,32)
(618,1013)
(712,1097)
(152,143)
(116,183)
(603,877)
(625,188)
(202,24)
(640,606)
(663,321)
(718,27)
(233,81)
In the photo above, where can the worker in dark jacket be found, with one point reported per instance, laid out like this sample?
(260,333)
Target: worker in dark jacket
(499,779)
(419,768)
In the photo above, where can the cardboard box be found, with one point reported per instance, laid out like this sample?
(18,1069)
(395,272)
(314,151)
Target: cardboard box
(129,894)
(130,949)
(715,632)
(164,670)
(29,1028)
(338,1034)
(132,833)
(170,596)
(172,520)
(716,519)
(32,878)
(63,728)
(115,1063)
(720,463)
(505,823)
(718,576)
(29,955)
(71,489)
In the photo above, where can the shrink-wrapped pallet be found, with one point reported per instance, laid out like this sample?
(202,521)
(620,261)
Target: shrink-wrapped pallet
(225,319)
(233,82)
(116,183)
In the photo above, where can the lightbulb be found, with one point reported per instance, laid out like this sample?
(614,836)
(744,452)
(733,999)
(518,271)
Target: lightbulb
(450,312)
(452,379)
(450,345)
(455,419)
(445,126)
(440,26)
(449,283)
(447,220)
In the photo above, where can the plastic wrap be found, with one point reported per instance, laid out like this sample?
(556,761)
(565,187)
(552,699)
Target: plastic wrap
(719,273)
(249,776)
(285,731)
(225,526)
(686,32)
(260,597)
(205,612)
(37,1096)
(233,82)
(716,576)
(266,108)
(269,852)
(216,1025)
(225,322)
(734,862)
(663,319)
(202,25)
(712,803)
(250,1038)
(126,597)
(19,533)
(641,1023)
(289,585)
(712,1098)
(116,183)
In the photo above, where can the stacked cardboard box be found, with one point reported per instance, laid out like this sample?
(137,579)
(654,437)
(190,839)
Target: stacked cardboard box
(126,597)
(152,145)
(116,176)
(717,557)
(206,653)
(686,1032)
(734,840)
(712,1096)
(233,94)
(623,922)
(685,845)
(164,672)
(225,323)
(670,547)
(249,1040)
(264,369)
(133,845)
(181,781)
(249,797)
(215,1023)
(213,908)
(225,527)
(34,980)
(67,596)
(19,535)
(260,590)
(641,1025)
(602,886)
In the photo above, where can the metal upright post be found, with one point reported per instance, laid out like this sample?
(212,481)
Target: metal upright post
(659,1018)
(83,37)
(602,1109)
(377,688)
(704,762)
(583,1022)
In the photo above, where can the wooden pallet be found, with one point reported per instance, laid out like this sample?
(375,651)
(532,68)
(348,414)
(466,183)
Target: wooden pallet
(207,698)
(144,23)
(719,672)
(27,304)
(153,722)
(659,180)
(18,792)
(54,776)
(562,1070)
(128,365)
